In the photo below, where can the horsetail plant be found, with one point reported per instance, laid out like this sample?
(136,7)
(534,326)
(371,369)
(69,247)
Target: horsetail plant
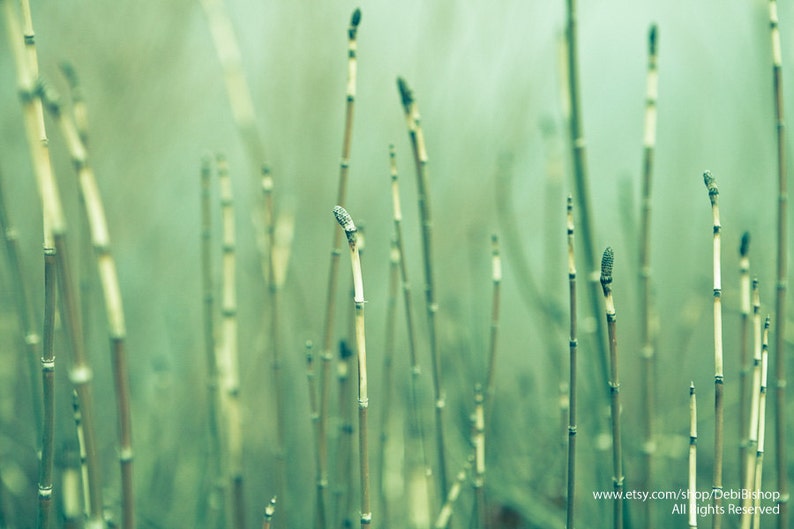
(572,347)
(752,425)
(693,454)
(782,271)
(719,413)
(607,262)
(744,366)
(346,222)
(48,390)
(333,272)
(417,139)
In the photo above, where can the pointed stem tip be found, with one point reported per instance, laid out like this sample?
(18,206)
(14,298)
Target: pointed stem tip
(344,219)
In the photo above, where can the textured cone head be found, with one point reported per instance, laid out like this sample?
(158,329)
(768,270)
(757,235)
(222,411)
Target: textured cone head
(405,93)
(652,39)
(344,219)
(607,260)
(711,183)
(744,247)
(356,18)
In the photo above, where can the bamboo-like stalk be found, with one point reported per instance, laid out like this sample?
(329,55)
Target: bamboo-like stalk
(693,454)
(647,353)
(607,262)
(77,416)
(333,272)
(759,454)
(79,107)
(478,440)
(270,510)
(114,311)
(346,222)
(496,279)
(48,391)
(31,337)
(744,361)
(582,184)
(215,502)
(80,372)
(752,424)
(572,346)
(388,367)
(314,414)
(781,458)
(444,515)
(228,361)
(719,412)
(344,477)
(416,135)
(416,419)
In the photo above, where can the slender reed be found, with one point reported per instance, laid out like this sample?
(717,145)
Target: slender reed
(270,510)
(419,149)
(343,217)
(781,458)
(106,268)
(314,414)
(228,361)
(48,387)
(693,454)
(215,502)
(572,346)
(752,424)
(419,465)
(333,272)
(71,504)
(582,184)
(31,337)
(444,515)
(77,416)
(343,472)
(496,279)
(647,337)
(744,361)
(759,454)
(607,262)
(719,412)
(80,372)
(478,440)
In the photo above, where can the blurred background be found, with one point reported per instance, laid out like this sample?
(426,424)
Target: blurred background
(488,78)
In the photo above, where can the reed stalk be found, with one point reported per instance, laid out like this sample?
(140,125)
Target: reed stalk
(333,272)
(444,515)
(607,262)
(570,504)
(314,414)
(581,182)
(647,338)
(752,424)
(48,391)
(693,454)
(719,413)
(215,502)
(416,136)
(77,416)
(744,361)
(71,503)
(759,454)
(781,458)
(478,440)
(346,222)
(496,279)
(31,337)
(114,311)
(228,361)
(80,372)
(344,478)
(270,510)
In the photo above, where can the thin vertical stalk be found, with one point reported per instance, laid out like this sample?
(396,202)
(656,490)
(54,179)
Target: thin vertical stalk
(311,377)
(228,354)
(344,479)
(416,135)
(114,311)
(572,347)
(478,440)
(693,454)
(270,510)
(80,372)
(744,361)
(719,418)
(782,273)
(333,272)
(647,353)
(582,184)
(444,515)
(77,416)
(416,430)
(343,217)
(607,262)
(752,424)
(759,454)
(213,420)
(496,279)
(48,387)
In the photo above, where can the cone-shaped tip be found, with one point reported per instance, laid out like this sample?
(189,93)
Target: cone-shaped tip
(653,39)
(711,182)
(607,260)
(744,247)
(344,219)
(355,19)
(405,93)
(345,351)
